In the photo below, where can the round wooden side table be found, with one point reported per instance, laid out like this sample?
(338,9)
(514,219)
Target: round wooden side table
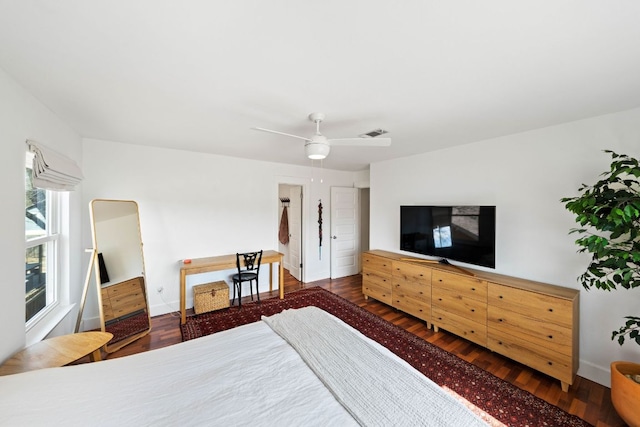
(57,351)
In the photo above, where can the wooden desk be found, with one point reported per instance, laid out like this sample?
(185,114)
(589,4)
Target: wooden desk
(57,351)
(225,262)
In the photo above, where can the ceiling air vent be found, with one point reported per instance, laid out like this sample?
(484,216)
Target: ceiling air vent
(373,133)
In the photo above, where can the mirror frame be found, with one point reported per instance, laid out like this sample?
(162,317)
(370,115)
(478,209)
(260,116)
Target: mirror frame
(95,218)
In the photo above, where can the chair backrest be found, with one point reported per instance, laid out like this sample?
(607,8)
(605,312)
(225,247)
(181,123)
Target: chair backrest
(250,260)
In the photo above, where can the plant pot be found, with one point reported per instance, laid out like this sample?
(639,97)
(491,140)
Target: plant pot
(625,392)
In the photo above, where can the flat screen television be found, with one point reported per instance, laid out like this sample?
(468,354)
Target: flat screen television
(460,233)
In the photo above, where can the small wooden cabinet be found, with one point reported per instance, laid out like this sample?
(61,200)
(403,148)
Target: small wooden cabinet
(460,305)
(533,323)
(376,273)
(123,299)
(534,328)
(411,291)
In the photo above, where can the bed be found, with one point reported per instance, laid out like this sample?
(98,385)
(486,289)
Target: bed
(299,367)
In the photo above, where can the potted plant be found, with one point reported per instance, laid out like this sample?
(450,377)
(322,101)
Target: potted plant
(609,216)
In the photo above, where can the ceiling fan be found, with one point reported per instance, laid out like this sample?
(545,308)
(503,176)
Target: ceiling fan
(317,147)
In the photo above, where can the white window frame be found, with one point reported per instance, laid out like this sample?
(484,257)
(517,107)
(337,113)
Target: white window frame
(51,239)
(48,317)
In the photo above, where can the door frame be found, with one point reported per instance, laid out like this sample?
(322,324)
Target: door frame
(299,182)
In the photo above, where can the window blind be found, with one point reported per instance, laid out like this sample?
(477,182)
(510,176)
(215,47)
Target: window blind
(52,170)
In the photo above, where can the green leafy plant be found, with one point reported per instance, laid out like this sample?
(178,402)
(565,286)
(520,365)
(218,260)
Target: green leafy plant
(609,216)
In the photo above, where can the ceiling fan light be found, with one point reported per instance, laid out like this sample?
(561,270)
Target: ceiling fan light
(316,151)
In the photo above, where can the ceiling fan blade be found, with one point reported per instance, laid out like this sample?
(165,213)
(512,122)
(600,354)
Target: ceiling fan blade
(282,133)
(364,142)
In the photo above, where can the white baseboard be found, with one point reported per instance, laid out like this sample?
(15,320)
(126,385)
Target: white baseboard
(596,373)
(90,324)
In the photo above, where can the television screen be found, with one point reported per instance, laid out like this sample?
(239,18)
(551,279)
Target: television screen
(104,276)
(461,233)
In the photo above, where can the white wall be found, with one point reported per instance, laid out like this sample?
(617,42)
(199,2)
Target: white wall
(197,205)
(22,117)
(524,175)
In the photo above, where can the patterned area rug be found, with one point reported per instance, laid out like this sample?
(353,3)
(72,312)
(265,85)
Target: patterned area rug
(502,400)
(124,328)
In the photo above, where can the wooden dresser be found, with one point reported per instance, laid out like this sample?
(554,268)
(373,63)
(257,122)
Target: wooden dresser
(534,323)
(123,299)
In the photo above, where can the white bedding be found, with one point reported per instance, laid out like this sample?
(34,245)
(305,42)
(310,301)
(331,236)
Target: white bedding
(244,376)
(373,384)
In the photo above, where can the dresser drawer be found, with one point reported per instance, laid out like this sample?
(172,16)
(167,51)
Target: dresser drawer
(381,280)
(531,304)
(460,325)
(411,273)
(126,287)
(416,305)
(128,308)
(376,263)
(126,300)
(452,302)
(540,358)
(467,286)
(537,331)
(382,294)
(418,291)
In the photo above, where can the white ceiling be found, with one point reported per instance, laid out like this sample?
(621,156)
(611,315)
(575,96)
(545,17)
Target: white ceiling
(198,74)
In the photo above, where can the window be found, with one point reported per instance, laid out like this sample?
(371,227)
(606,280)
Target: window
(42,247)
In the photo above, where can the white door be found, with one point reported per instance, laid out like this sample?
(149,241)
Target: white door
(295,232)
(345,233)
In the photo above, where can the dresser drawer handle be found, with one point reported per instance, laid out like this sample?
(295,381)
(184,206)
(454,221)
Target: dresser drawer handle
(473,310)
(421,293)
(550,363)
(500,297)
(473,289)
(551,310)
(439,280)
(473,332)
(499,320)
(550,337)
(499,342)
(439,299)
(421,275)
(439,318)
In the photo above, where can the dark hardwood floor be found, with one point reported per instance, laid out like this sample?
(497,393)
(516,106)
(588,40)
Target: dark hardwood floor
(586,399)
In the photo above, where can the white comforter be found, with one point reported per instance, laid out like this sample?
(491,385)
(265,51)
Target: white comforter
(244,376)
(373,384)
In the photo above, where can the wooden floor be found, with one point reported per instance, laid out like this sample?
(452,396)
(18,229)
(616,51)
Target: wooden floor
(587,399)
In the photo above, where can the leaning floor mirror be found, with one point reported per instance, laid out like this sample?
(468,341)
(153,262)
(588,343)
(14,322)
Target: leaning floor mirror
(119,271)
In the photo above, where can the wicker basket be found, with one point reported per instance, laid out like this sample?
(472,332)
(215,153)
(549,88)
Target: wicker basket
(210,296)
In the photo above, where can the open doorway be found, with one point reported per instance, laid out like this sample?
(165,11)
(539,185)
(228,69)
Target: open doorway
(364,220)
(290,225)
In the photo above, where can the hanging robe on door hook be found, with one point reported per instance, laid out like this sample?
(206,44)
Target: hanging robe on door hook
(283,232)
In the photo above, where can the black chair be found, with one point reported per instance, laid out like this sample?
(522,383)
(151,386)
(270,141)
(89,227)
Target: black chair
(248,265)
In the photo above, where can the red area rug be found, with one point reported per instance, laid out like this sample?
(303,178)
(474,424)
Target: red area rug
(125,328)
(504,401)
